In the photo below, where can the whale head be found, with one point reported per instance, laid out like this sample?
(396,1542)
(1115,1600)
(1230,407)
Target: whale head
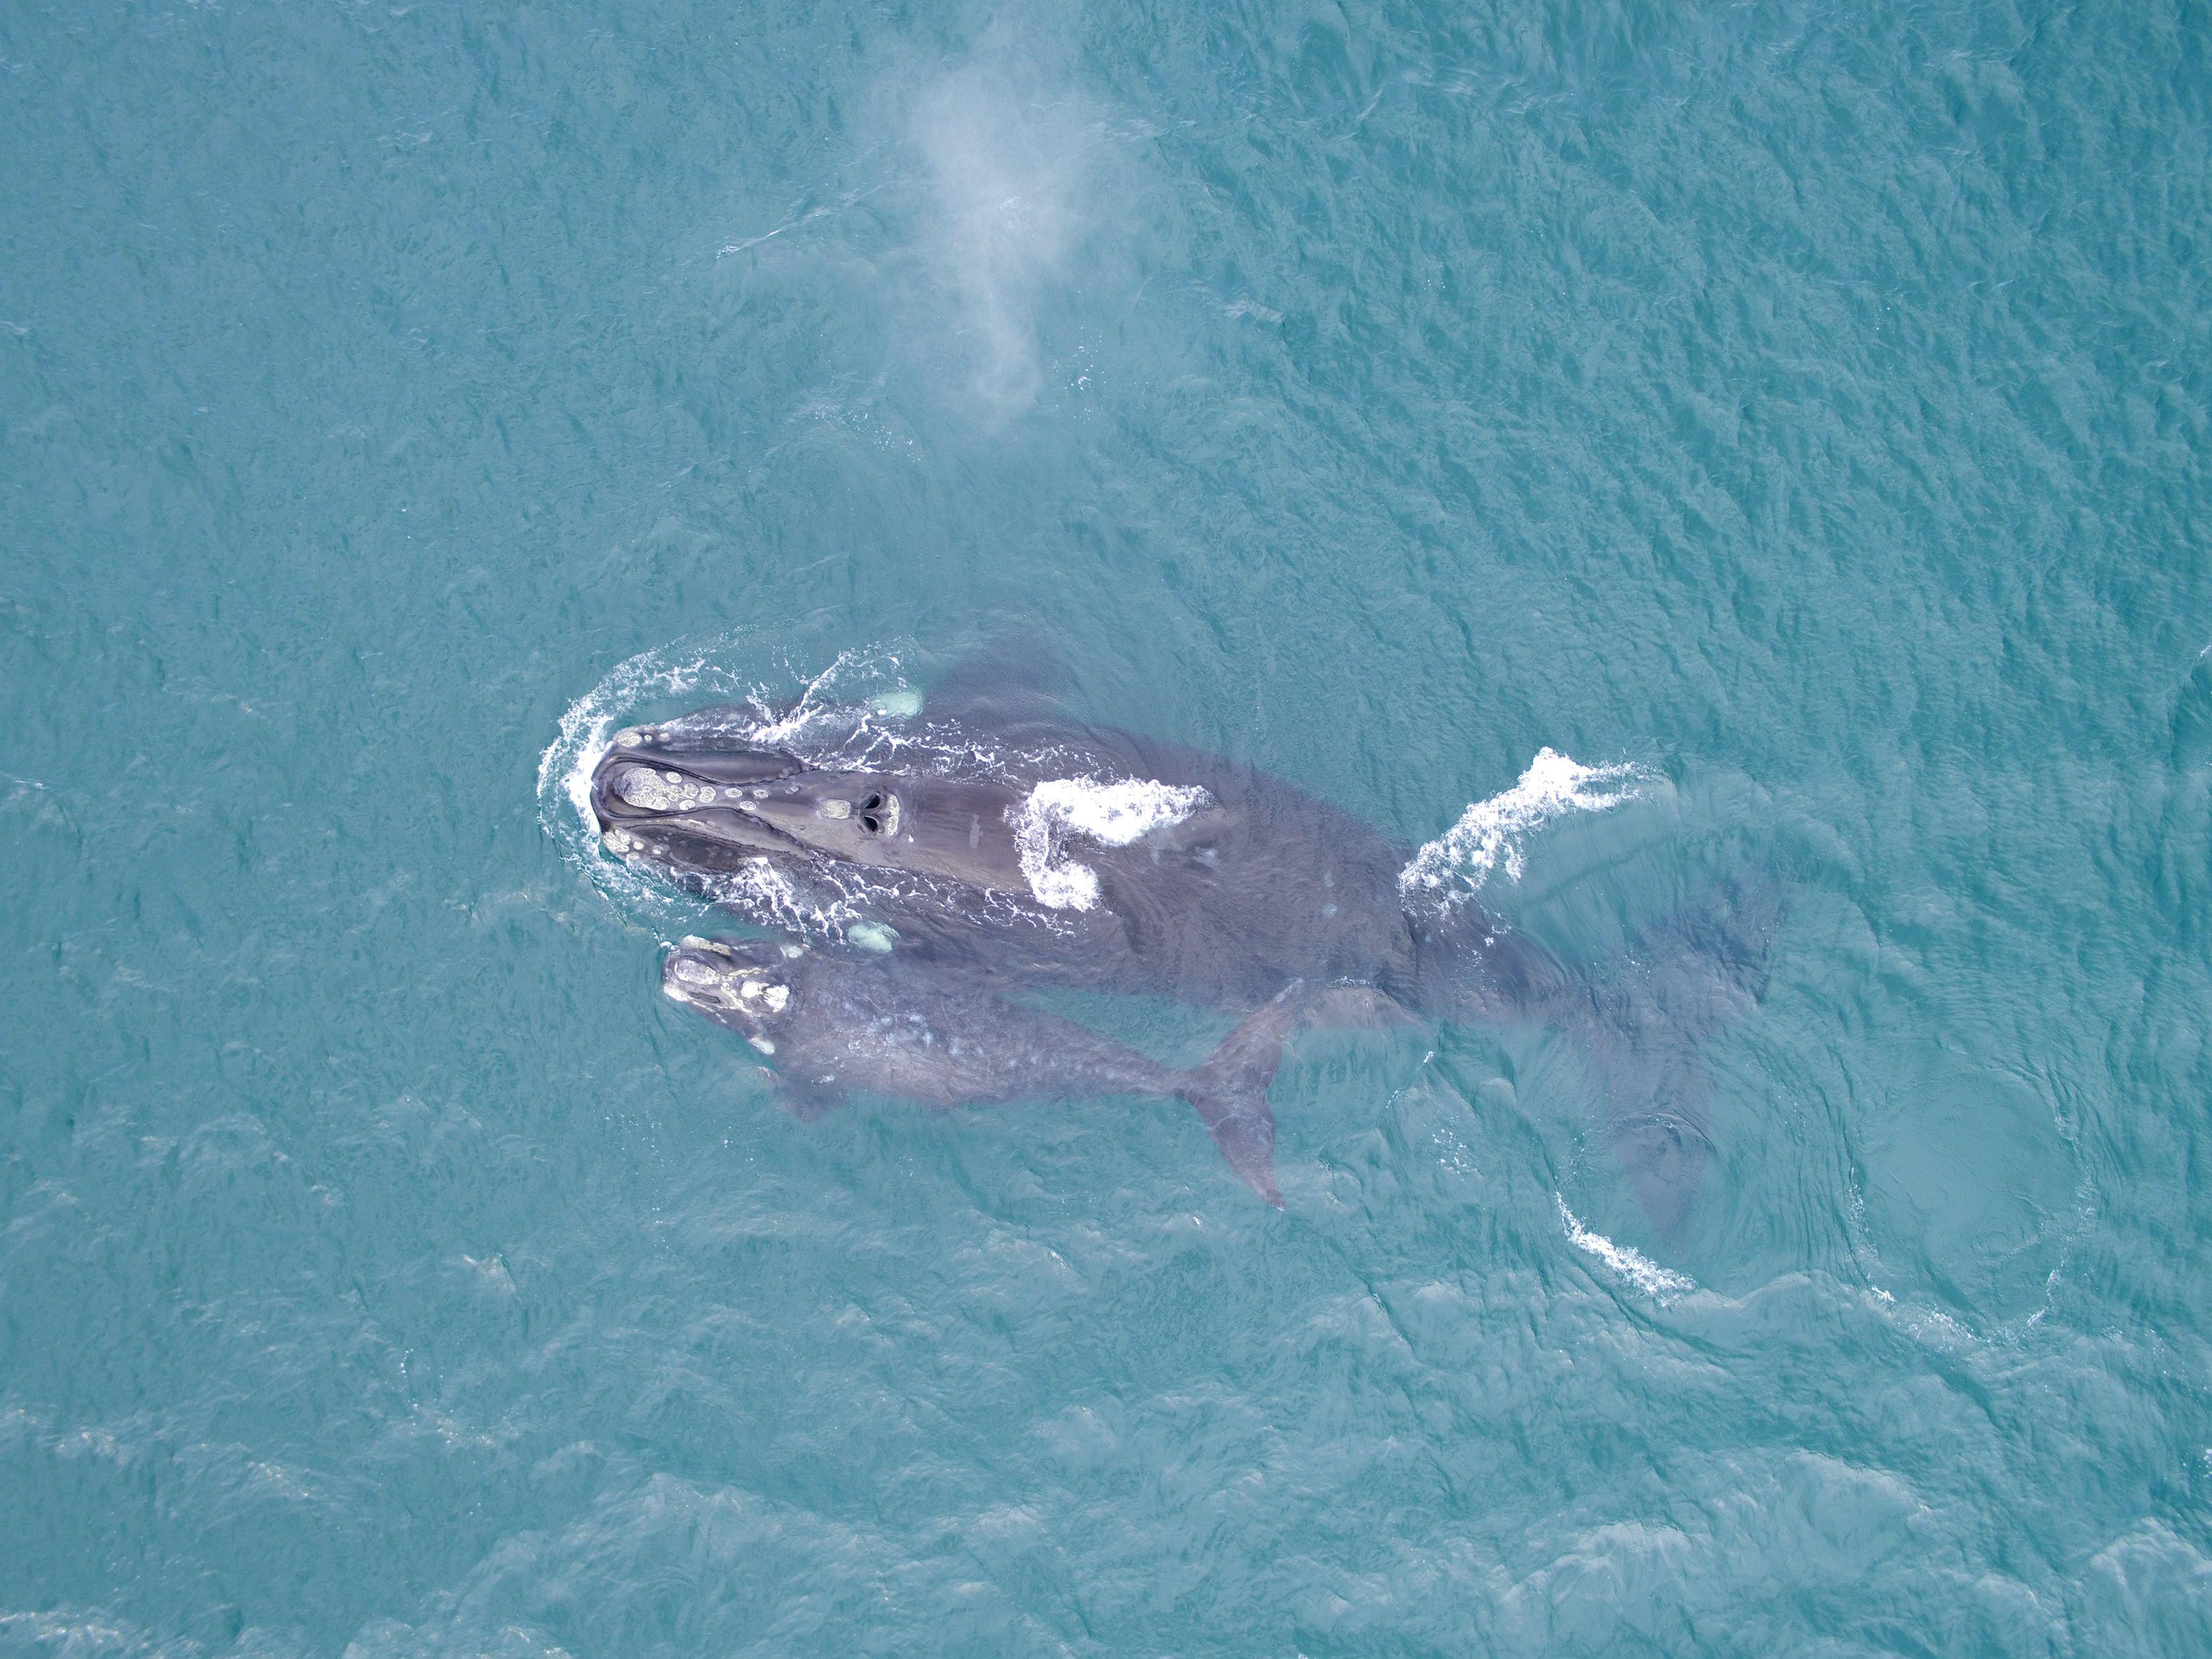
(743,984)
(692,813)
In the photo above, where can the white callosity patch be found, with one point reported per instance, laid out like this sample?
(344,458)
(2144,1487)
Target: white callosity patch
(772,997)
(1107,814)
(1489,833)
(1638,1269)
(876,936)
(662,792)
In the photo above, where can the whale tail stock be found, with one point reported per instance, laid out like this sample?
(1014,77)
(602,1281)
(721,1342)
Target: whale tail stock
(1649,1016)
(1229,1091)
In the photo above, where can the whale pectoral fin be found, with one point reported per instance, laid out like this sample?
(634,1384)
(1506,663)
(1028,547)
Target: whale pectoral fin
(1011,676)
(1709,962)
(1362,1007)
(1229,1091)
(1245,1132)
(1655,1099)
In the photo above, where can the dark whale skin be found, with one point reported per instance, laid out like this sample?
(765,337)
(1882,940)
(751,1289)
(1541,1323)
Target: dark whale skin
(1265,884)
(834,1022)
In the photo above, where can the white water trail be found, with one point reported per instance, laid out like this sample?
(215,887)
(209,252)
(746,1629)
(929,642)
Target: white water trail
(1490,832)
(1662,1285)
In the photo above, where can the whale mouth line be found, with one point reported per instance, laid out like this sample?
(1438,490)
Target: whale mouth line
(709,795)
(722,827)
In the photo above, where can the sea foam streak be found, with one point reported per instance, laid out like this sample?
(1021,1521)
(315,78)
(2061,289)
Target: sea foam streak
(1633,1264)
(1489,832)
(1109,814)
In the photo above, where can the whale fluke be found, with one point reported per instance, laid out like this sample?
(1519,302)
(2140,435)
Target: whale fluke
(1229,1091)
(1683,980)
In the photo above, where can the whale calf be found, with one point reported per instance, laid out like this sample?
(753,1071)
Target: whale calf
(833,1023)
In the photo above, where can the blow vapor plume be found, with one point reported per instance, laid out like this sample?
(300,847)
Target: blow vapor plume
(1007,171)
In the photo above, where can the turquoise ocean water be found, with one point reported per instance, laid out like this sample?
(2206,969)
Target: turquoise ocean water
(1804,406)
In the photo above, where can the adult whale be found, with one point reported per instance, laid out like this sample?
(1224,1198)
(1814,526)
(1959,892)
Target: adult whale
(996,838)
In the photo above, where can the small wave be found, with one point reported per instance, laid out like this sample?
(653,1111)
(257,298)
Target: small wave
(1109,814)
(1660,1284)
(1490,832)
(1930,1325)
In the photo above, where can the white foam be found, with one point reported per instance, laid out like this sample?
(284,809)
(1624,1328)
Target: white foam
(759,888)
(1107,814)
(1930,1325)
(1660,1284)
(1490,832)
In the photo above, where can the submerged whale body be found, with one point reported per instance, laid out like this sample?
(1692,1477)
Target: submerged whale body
(997,842)
(833,1023)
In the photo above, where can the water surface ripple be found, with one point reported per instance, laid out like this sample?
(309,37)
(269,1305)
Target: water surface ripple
(1804,407)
